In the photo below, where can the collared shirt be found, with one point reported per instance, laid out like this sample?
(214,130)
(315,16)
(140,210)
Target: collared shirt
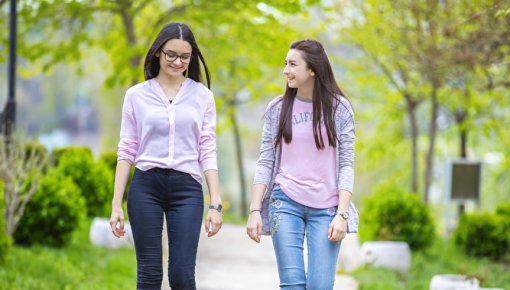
(178,134)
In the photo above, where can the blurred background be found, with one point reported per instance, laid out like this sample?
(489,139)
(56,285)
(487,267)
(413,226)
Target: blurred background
(428,79)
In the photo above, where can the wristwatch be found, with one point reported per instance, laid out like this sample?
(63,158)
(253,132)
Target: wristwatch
(217,207)
(344,215)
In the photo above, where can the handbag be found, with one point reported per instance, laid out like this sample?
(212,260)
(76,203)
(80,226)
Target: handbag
(353,219)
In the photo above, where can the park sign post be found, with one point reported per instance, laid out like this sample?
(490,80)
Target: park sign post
(463,182)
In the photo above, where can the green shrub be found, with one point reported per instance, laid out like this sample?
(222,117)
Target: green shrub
(60,153)
(103,179)
(392,214)
(52,214)
(503,209)
(94,179)
(483,235)
(110,159)
(36,148)
(4,240)
(35,151)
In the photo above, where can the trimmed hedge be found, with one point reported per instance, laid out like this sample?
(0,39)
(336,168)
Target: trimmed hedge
(52,214)
(110,159)
(94,179)
(392,214)
(503,209)
(62,152)
(483,235)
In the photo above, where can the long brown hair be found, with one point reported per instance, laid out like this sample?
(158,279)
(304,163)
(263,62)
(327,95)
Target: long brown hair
(325,97)
(180,31)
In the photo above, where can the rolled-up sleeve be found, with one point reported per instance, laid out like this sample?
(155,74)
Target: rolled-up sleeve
(346,137)
(265,164)
(207,143)
(128,144)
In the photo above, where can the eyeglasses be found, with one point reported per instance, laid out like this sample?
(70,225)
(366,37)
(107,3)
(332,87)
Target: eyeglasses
(172,56)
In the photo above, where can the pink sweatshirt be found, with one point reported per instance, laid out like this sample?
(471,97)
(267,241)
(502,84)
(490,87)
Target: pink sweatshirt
(180,135)
(307,175)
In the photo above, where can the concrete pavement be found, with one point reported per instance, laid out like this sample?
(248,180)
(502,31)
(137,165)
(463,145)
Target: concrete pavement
(232,261)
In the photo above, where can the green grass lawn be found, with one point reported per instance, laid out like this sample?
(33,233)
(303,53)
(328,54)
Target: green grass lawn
(440,259)
(229,218)
(79,265)
(83,266)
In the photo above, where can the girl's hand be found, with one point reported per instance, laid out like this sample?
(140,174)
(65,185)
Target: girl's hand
(254,226)
(337,229)
(117,221)
(213,222)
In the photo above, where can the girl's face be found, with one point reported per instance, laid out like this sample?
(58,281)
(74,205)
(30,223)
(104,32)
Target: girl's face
(296,70)
(174,57)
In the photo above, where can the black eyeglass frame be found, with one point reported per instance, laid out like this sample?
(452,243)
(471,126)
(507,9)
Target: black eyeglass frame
(170,58)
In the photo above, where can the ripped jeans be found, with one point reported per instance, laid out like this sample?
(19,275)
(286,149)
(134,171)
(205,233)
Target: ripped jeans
(289,222)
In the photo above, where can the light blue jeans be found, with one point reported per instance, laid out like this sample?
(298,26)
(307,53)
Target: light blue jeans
(289,222)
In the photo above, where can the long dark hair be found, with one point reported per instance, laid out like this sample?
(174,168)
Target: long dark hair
(180,31)
(325,97)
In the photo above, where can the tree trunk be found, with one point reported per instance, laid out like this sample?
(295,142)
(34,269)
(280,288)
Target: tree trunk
(232,111)
(239,156)
(460,118)
(131,39)
(432,143)
(411,113)
(463,141)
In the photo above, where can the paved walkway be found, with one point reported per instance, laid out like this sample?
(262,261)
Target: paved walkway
(231,261)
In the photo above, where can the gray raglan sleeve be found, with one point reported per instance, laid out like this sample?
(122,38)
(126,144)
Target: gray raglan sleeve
(346,147)
(265,164)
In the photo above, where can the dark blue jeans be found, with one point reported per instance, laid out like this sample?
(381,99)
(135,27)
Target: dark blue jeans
(179,196)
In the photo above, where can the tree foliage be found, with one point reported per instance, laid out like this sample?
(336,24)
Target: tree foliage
(443,59)
(244,43)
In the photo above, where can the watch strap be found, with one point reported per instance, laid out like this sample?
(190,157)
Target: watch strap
(217,207)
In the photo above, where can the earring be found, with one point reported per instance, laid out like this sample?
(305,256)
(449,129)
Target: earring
(312,74)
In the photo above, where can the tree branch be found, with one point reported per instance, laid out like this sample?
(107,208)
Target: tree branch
(477,15)
(141,6)
(20,168)
(386,71)
(176,10)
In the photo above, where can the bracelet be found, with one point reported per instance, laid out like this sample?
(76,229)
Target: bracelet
(254,210)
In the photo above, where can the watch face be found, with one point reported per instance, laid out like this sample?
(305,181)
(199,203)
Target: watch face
(345,215)
(218,207)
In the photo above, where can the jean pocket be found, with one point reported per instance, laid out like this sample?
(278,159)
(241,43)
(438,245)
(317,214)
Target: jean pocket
(331,211)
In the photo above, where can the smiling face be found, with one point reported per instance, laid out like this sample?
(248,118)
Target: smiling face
(296,70)
(178,49)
